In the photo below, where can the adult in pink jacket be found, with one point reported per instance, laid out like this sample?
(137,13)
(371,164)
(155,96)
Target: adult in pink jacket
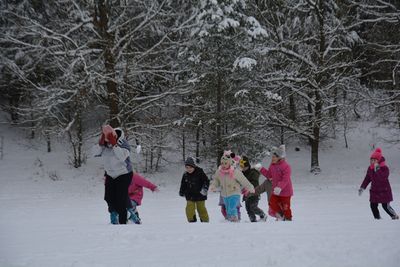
(279,172)
(135,192)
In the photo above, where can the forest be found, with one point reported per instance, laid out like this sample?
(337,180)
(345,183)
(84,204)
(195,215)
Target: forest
(199,76)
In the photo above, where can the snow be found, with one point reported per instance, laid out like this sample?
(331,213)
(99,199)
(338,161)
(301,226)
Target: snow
(64,221)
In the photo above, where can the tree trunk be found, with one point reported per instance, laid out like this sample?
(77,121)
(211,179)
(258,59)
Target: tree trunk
(101,21)
(219,126)
(198,144)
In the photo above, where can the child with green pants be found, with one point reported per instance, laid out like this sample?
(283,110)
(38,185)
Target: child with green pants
(194,187)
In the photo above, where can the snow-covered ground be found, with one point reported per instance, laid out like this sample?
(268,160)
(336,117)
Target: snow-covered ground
(54,215)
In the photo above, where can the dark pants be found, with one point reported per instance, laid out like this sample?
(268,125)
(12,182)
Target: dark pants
(389,210)
(116,194)
(253,209)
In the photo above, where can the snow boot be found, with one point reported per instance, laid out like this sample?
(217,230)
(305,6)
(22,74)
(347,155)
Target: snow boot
(114,217)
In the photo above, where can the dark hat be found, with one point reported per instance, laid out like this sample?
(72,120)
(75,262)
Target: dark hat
(190,162)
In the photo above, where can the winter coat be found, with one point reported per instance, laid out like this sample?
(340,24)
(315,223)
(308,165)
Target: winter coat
(231,183)
(116,159)
(193,183)
(279,173)
(135,189)
(380,191)
(253,176)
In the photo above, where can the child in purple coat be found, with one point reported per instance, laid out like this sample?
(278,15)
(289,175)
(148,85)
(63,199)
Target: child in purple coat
(380,192)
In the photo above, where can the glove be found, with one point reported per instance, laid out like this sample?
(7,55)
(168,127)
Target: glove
(112,139)
(258,166)
(203,191)
(277,190)
(102,139)
(360,191)
(181,194)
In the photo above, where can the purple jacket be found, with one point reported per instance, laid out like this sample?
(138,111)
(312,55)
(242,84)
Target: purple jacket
(380,191)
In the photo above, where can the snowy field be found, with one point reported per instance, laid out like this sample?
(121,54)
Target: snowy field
(53,215)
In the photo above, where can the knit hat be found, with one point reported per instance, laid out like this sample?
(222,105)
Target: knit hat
(228,157)
(377,154)
(280,151)
(244,162)
(190,162)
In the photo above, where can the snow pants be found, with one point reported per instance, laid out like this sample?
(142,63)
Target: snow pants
(386,206)
(200,206)
(279,207)
(116,195)
(231,204)
(253,209)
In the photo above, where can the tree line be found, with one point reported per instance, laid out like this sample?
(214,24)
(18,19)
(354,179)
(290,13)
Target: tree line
(212,74)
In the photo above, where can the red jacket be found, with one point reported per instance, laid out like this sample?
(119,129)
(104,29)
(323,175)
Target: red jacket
(279,173)
(135,190)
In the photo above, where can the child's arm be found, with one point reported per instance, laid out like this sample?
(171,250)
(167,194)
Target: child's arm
(182,190)
(264,171)
(141,181)
(285,178)
(366,181)
(215,183)
(244,182)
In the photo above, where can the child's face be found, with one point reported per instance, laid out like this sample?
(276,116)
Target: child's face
(226,162)
(373,161)
(189,169)
(274,158)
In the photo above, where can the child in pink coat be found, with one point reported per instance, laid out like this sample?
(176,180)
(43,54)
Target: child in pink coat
(279,173)
(135,192)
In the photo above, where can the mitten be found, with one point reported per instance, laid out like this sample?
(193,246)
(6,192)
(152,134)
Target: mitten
(258,166)
(277,190)
(360,191)
(203,191)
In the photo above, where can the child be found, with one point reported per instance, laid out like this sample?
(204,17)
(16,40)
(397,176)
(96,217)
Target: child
(230,180)
(115,151)
(194,187)
(221,203)
(135,192)
(279,172)
(251,201)
(380,192)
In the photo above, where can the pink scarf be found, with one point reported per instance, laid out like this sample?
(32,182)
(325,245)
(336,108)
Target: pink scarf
(229,171)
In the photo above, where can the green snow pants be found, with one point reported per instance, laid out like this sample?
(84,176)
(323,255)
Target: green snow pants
(191,207)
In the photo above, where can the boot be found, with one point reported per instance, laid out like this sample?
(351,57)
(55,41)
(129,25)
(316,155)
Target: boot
(114,217)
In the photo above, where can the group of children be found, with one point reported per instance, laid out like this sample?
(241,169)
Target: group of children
(124,188)
(232,181)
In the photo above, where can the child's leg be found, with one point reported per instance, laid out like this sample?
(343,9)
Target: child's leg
(223,211)
(375,211)
(190,211)
(201,209)
(249,203)
(389,210)
(133,213)
(231,204)
(275,209)
(287,212)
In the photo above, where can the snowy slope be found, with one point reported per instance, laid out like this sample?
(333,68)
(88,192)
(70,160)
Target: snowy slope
(54,215)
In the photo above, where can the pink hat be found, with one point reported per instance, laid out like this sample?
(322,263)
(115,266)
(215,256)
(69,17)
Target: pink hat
(377,154)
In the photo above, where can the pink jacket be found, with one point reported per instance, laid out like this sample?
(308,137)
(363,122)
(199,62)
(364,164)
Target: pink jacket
(279,173)
(135,190)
